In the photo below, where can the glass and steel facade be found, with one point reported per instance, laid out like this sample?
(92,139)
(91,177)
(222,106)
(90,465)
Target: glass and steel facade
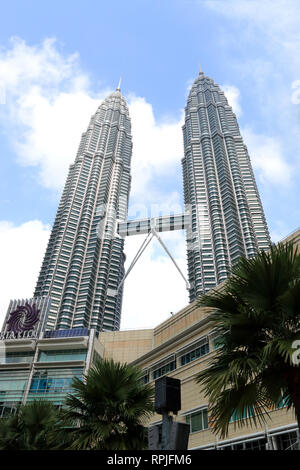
(53,384)
(220,191)
(12,389)
(44,368)
(84,260)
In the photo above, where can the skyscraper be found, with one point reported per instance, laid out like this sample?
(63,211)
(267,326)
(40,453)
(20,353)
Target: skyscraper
(84,260)
(227,218)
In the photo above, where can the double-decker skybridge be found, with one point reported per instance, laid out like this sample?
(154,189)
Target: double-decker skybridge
(152,226)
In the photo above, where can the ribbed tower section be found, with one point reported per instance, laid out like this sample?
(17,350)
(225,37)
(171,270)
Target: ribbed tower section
(83,265)
(227,218)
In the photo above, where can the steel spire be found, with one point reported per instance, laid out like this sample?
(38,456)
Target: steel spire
(119,84)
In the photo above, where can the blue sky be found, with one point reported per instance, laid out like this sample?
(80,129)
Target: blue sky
(58,60)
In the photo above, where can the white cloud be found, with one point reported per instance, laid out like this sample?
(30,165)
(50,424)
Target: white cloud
(22,249)
(265,35)
(156,146)
(232,94)
(267,159)
(48,105)
(24,65)
(278,20)
(268,32)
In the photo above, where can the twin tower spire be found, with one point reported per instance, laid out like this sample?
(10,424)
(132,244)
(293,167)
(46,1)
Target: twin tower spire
(84,262)
(119,85)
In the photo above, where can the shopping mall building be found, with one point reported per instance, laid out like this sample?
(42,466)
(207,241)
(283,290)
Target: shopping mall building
(41,364)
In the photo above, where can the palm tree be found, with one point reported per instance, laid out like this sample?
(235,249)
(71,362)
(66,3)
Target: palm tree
(107,409)
(34,427)
(257,319)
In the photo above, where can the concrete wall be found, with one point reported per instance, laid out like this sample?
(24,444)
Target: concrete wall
(126,346)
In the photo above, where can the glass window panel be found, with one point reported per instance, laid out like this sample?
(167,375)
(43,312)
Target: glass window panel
(62,355)
(197,421)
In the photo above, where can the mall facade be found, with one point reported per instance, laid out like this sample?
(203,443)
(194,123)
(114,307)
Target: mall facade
(43,367)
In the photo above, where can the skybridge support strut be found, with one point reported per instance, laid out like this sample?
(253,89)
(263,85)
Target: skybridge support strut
(149,237)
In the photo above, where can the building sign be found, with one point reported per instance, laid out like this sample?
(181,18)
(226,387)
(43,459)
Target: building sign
(25,318)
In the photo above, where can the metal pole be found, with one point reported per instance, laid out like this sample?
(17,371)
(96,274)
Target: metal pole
(172,259)
(167,422)
(135,259)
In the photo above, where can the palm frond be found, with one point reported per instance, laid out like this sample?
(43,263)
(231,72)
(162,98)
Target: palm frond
(257,316)
(107,408)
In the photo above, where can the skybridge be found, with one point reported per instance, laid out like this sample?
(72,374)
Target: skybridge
(151,227)
(165,223)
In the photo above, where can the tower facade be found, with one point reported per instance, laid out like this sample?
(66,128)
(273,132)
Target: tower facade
(220,192)
(84,260)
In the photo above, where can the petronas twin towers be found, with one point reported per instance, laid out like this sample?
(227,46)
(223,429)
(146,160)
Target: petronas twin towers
(84,262)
